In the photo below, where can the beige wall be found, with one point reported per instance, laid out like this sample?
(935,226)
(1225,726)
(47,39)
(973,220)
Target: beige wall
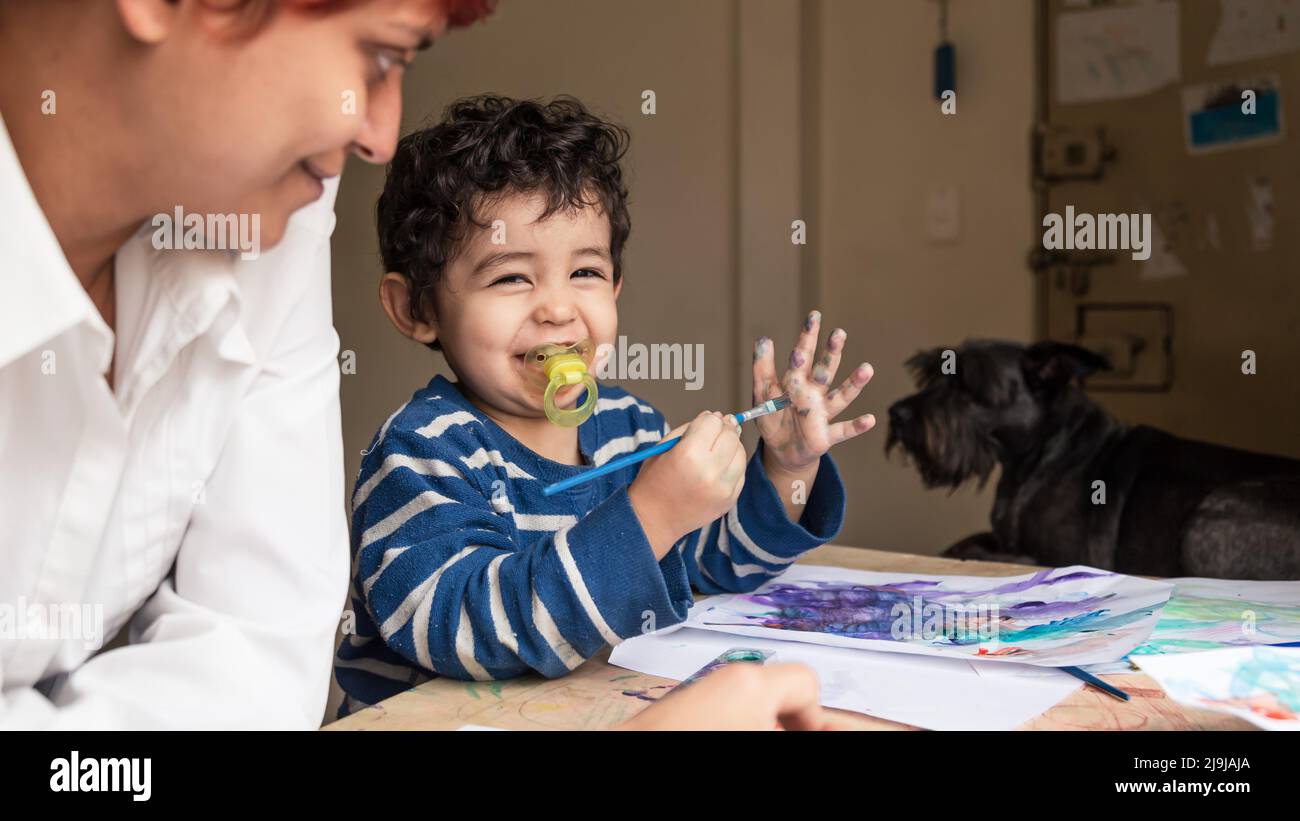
(768,111)
(881,145)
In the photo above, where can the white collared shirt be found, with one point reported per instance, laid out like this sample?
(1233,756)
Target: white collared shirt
(198,504)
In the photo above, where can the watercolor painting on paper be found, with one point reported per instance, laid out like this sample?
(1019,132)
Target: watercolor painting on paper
(1058,617)
(1208,614)
(1260,684)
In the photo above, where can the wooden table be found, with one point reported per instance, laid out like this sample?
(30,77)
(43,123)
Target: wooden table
(595,696)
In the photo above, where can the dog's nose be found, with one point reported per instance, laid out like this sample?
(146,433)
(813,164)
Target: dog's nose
(899,414)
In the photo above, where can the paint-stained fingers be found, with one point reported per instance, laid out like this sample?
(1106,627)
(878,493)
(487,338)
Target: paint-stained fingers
(774,391)
(840,398)
(808,407)
(804,397)
(765,379)
(805,348)
(798,391)
(840,431)
(823,373)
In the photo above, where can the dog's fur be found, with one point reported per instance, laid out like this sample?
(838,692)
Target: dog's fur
(1173,507)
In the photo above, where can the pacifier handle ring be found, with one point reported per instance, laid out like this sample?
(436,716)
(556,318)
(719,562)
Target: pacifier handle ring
(569,418)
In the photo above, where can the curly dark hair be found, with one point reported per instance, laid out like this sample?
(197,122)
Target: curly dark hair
(485,148)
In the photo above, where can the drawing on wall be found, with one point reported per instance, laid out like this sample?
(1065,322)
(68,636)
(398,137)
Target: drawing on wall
(1114,53)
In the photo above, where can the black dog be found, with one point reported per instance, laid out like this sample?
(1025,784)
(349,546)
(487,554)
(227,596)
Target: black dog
(1165,506)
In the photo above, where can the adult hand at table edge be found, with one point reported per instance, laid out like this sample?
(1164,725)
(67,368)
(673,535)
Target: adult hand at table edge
(741,697)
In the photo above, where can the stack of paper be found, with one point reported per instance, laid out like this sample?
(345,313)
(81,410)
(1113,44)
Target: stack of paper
(961,652)
(940,652)
(944,652)
(934,693)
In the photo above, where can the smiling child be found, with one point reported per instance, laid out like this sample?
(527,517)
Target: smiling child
(503,228)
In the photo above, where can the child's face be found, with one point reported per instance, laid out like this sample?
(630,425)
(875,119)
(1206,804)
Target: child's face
(548,281)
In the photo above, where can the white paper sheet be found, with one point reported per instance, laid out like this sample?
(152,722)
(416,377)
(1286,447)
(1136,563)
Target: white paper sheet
(1251,29)
(1259,684)
(1054,618)
(1114,53)
(933,693)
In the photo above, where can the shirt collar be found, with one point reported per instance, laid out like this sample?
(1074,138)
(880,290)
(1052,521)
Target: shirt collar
(167,298)
(40,296)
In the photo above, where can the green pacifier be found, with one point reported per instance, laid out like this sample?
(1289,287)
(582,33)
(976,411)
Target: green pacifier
(558,366)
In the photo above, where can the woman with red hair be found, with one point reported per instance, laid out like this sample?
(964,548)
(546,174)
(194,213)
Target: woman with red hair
(170,447)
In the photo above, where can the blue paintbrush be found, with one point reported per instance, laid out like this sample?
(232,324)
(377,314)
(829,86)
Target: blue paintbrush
(1089,678)
(770,406)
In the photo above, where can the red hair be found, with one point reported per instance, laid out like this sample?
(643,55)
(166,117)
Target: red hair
(460,13)
(463,12)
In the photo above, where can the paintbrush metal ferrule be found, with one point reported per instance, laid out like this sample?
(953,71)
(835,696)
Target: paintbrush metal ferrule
(770,406)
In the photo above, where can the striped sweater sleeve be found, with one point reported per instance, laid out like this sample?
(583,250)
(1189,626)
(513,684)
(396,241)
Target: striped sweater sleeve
(446,578)
(755,540)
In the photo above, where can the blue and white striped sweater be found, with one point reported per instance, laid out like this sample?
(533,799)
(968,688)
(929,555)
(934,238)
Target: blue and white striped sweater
(462,568)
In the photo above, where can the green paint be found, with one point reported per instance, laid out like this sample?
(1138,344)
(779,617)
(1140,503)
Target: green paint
(1191,621)
(469,688)
(621,678)
(495,688)
(1188,611)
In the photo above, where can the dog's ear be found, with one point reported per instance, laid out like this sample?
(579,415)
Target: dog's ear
(1053,365)
(924,366)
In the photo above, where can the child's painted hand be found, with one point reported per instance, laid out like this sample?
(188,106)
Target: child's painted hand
(794,439)
(692,484)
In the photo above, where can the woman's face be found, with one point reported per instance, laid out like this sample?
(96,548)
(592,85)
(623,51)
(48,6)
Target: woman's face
(256,122)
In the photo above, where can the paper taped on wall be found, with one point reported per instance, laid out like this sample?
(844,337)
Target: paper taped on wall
(1251,29)
(1218,116)
(1113,53)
